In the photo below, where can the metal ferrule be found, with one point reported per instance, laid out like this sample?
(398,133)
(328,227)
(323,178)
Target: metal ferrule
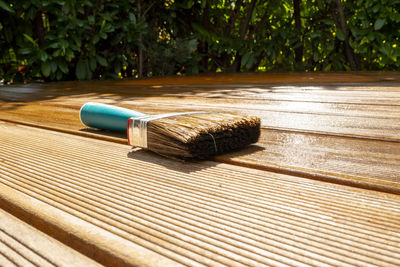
(137,127)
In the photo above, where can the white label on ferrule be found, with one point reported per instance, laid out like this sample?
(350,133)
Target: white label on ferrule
(137,127)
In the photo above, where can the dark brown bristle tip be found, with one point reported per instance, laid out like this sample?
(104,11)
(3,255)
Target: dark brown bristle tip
(200,136)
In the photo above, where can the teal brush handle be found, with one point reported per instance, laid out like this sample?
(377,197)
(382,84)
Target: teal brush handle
(106,117)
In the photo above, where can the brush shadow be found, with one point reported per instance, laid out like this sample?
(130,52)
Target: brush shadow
(105,133)
(188,166)
(172,164)
(243,152)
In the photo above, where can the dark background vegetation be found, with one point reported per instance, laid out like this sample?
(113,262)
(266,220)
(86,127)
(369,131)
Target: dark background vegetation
(92,39)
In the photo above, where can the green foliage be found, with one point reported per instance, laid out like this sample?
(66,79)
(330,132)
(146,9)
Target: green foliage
(171,57)
(70,39)
(88,39)
(375,33)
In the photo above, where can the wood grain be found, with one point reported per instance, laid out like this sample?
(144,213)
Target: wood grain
(343,132)
(366,110)
(357,162)
(22,245)
(124,206)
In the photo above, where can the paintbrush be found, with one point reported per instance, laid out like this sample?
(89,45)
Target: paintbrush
(188,135)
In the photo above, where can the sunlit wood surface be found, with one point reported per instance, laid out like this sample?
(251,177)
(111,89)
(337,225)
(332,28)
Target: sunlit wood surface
(23,245)
(337,127)
(133,207)
(322,182)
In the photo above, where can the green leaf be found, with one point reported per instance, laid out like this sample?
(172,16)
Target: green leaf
(63,66)
(327,67)
(132,18)
(25,50)
(30,39)
(347,68)
(59,75)
(54,45)
(92,64)
(316,57)
(245,59)
(81,68)
(340,35)
(95,39)
(57,53)
(69,55)
(53,66)
(63,44)
(315,35)
(88,71)
(328,22)
(102,61)
(6,7)
(371,36)
(51,37)
(45,69)
(43,56)
(190,4)
(91,20)
(108,28)
(248,60)
(364,40)
(192,45)
(379,24)
(80,9)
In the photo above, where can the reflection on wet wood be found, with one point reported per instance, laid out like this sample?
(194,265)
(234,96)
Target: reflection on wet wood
(364,163)
(357,162)
(359,120)
(333,131)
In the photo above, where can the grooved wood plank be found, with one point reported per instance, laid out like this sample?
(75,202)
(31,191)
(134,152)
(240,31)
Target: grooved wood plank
(380,127)
(22,245)
(102,195)
(347,91)
(303,122)
(359,162)
(348,109)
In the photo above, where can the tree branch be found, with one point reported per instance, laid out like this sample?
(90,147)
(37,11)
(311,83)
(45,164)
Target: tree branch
(39,27)
(298,52)
(242,34)
(340,21)
(148,8)
(246,23)
(262,21)
(233,17)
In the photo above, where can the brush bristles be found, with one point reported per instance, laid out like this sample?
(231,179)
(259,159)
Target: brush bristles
(201,135)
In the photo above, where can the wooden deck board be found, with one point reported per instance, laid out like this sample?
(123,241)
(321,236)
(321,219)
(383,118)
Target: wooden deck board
(22,245)
(366,111)
(104,196)
(378,127)
(345,132)
(356,162)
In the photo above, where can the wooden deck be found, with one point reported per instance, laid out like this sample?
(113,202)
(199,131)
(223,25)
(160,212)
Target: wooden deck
(321,187)
(22,245)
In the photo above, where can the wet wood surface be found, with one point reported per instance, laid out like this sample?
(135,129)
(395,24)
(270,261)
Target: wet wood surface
(321,187)
(133,208)
(341,127)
